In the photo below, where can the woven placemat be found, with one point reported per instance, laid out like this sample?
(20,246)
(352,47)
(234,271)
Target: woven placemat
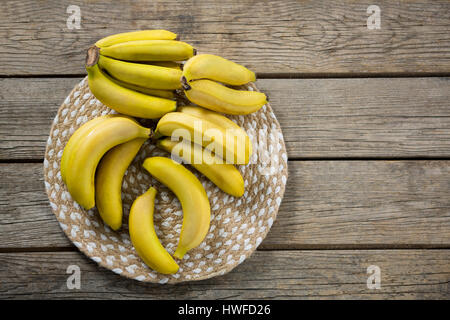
(238,225)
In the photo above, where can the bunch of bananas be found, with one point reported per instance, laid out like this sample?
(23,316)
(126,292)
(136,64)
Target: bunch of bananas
(200,76)
(136,73)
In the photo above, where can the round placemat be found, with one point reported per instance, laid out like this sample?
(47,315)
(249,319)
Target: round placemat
(238,225)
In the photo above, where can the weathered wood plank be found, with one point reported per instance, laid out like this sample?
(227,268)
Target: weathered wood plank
(314,37)
(327,204)
(27,109)
(379,118)
(320,118)
(405,274)
(358,203)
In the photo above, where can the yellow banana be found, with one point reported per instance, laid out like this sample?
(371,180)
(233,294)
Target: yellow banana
(214,96)
(143,75)
(223,175)
(143,235)
(124,100)
(192,196)
(221,121)
(168,94)
(149,50)
(70,146)
(136,35)
(209,66)
(167,64)
(92,146)
(224,143)
(77,138)
(108,181)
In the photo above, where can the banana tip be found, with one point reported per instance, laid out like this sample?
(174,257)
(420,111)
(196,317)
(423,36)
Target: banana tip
(179,253)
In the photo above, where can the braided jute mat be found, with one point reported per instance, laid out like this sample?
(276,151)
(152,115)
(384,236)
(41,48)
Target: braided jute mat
(238,225)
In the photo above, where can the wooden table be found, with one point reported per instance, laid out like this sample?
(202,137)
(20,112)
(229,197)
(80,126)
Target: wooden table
(365,116)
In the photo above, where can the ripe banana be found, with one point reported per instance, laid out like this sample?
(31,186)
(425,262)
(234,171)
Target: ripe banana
(143,75)
(192,196)
(108,181)
(221,121)
(224,143)
(124,100)
(149,50)
(92,146)
(168,94)
(209,66)
(134,36)
(75,138)
(167,64)
(143,235)
(223,175)
(214,96)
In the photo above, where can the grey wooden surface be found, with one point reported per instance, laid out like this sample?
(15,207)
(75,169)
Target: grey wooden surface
(320,118)
(284,274)
(365,115)
(327,204)
(271,37)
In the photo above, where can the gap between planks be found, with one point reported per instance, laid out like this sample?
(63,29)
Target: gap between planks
(268,75)
(432,158)
(306,247)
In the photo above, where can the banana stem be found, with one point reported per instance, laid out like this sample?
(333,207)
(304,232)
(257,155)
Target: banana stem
(155,135)
(92,55)
(184,83)
(151,134)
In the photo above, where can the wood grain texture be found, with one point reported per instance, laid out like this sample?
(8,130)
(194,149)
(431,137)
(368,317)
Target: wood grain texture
(377,118)
(27,109)
(320,118)
(327,204)
(303,37)
(405,274)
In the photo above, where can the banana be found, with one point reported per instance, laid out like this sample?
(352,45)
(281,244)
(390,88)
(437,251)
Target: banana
(143,235)
(168,94)
(209,66)
(192,196)
(143,75)
(136,35)
(108,181)
(214,96)
(149,50)
(92,146)
(75,138)
(223,175)
(224,143)
(168,64)
(121,99)
(221,121)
